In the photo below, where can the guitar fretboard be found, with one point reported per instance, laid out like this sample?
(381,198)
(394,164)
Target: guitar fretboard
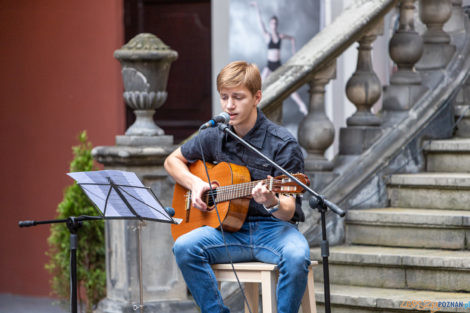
(231,192)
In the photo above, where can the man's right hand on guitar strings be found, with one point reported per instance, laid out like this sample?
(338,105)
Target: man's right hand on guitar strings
(199,187)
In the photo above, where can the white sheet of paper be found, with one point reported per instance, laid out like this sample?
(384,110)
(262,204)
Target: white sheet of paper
(96,185)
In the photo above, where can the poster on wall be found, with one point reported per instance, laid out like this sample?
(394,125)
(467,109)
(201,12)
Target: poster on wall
(268,33)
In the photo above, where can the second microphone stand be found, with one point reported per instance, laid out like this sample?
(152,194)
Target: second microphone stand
(73,224)
(316,202)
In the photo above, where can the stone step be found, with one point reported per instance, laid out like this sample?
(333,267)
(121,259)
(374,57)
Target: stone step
(356,299)
(430,190)
(386,267)
(414,228)
(451,155)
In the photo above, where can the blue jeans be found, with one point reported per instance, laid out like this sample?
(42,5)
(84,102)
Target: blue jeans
(264,239)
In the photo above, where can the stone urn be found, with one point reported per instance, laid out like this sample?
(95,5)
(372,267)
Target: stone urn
(145,62)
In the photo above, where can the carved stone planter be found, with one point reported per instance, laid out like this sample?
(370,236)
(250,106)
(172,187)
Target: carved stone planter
(145,62)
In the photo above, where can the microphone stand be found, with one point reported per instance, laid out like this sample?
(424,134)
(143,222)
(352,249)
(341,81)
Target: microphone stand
(317,201)
(73,224)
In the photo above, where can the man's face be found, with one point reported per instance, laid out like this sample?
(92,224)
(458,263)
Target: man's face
(240,104)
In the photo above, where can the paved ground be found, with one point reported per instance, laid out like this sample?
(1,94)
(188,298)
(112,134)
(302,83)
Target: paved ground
(22,304)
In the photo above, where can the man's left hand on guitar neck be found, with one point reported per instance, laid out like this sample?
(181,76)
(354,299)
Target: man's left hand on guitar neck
(262,195)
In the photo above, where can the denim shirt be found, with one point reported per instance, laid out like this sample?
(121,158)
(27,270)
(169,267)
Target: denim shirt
(271,139)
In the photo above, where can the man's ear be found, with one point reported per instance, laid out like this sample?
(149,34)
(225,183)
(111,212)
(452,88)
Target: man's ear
(258,95)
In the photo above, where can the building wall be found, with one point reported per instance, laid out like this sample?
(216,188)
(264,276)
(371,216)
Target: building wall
(58,77)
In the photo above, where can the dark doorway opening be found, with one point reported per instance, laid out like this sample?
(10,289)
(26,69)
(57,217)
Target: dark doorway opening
(185,26)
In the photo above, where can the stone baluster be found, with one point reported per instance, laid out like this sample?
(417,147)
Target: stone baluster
(363,89)
(437,48)
(405,48)
(456,23)
(155,277)
(316,132)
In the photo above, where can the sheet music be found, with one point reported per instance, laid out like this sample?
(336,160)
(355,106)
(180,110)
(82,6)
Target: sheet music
(96,185)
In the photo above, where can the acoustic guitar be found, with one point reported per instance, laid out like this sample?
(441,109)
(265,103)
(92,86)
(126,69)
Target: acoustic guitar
(231,192)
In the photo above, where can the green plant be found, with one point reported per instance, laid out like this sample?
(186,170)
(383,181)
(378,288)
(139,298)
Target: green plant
(91,274)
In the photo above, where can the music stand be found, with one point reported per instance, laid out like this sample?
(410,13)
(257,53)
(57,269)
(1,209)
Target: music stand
(116,195)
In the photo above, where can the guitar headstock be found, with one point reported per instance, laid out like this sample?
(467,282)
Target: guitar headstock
(284,184)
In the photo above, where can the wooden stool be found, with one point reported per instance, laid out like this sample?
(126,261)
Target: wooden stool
(254,273)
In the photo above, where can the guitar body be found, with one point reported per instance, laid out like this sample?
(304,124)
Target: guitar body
(232,213)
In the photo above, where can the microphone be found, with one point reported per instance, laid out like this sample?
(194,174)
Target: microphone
(223,117)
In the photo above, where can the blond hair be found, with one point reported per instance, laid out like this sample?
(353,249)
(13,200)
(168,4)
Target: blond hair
(240,73)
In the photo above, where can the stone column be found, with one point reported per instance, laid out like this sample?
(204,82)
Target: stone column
(363,89)
(316,132)
(145,64)
(405,48)
(437,48)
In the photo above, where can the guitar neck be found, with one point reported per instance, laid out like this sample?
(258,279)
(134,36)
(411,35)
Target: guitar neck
(232,192)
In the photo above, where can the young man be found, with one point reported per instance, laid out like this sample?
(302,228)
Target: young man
(265,237)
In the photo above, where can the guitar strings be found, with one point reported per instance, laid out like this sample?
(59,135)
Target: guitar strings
(225,193)
(236,188)
(244,186)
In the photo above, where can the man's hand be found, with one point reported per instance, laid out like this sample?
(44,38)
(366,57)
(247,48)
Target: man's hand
(263,196)
(197,190)
(177,166)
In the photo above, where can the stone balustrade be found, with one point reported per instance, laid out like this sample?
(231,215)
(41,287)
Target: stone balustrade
(411,102)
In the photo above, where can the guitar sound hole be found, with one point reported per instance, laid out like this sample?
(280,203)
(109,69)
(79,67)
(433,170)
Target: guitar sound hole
(211,196)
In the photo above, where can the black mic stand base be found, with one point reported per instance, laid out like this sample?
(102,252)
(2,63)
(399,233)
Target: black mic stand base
(315,203)
(73,224)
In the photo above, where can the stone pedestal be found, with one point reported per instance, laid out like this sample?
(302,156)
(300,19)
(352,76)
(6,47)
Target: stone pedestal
(354,140)
(163,287)
(462,114)
(402,97)
(149,281)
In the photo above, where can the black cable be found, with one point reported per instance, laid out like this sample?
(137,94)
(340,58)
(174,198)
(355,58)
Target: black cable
(220,222)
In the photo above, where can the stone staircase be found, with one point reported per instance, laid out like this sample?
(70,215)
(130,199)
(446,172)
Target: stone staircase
(417,249)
